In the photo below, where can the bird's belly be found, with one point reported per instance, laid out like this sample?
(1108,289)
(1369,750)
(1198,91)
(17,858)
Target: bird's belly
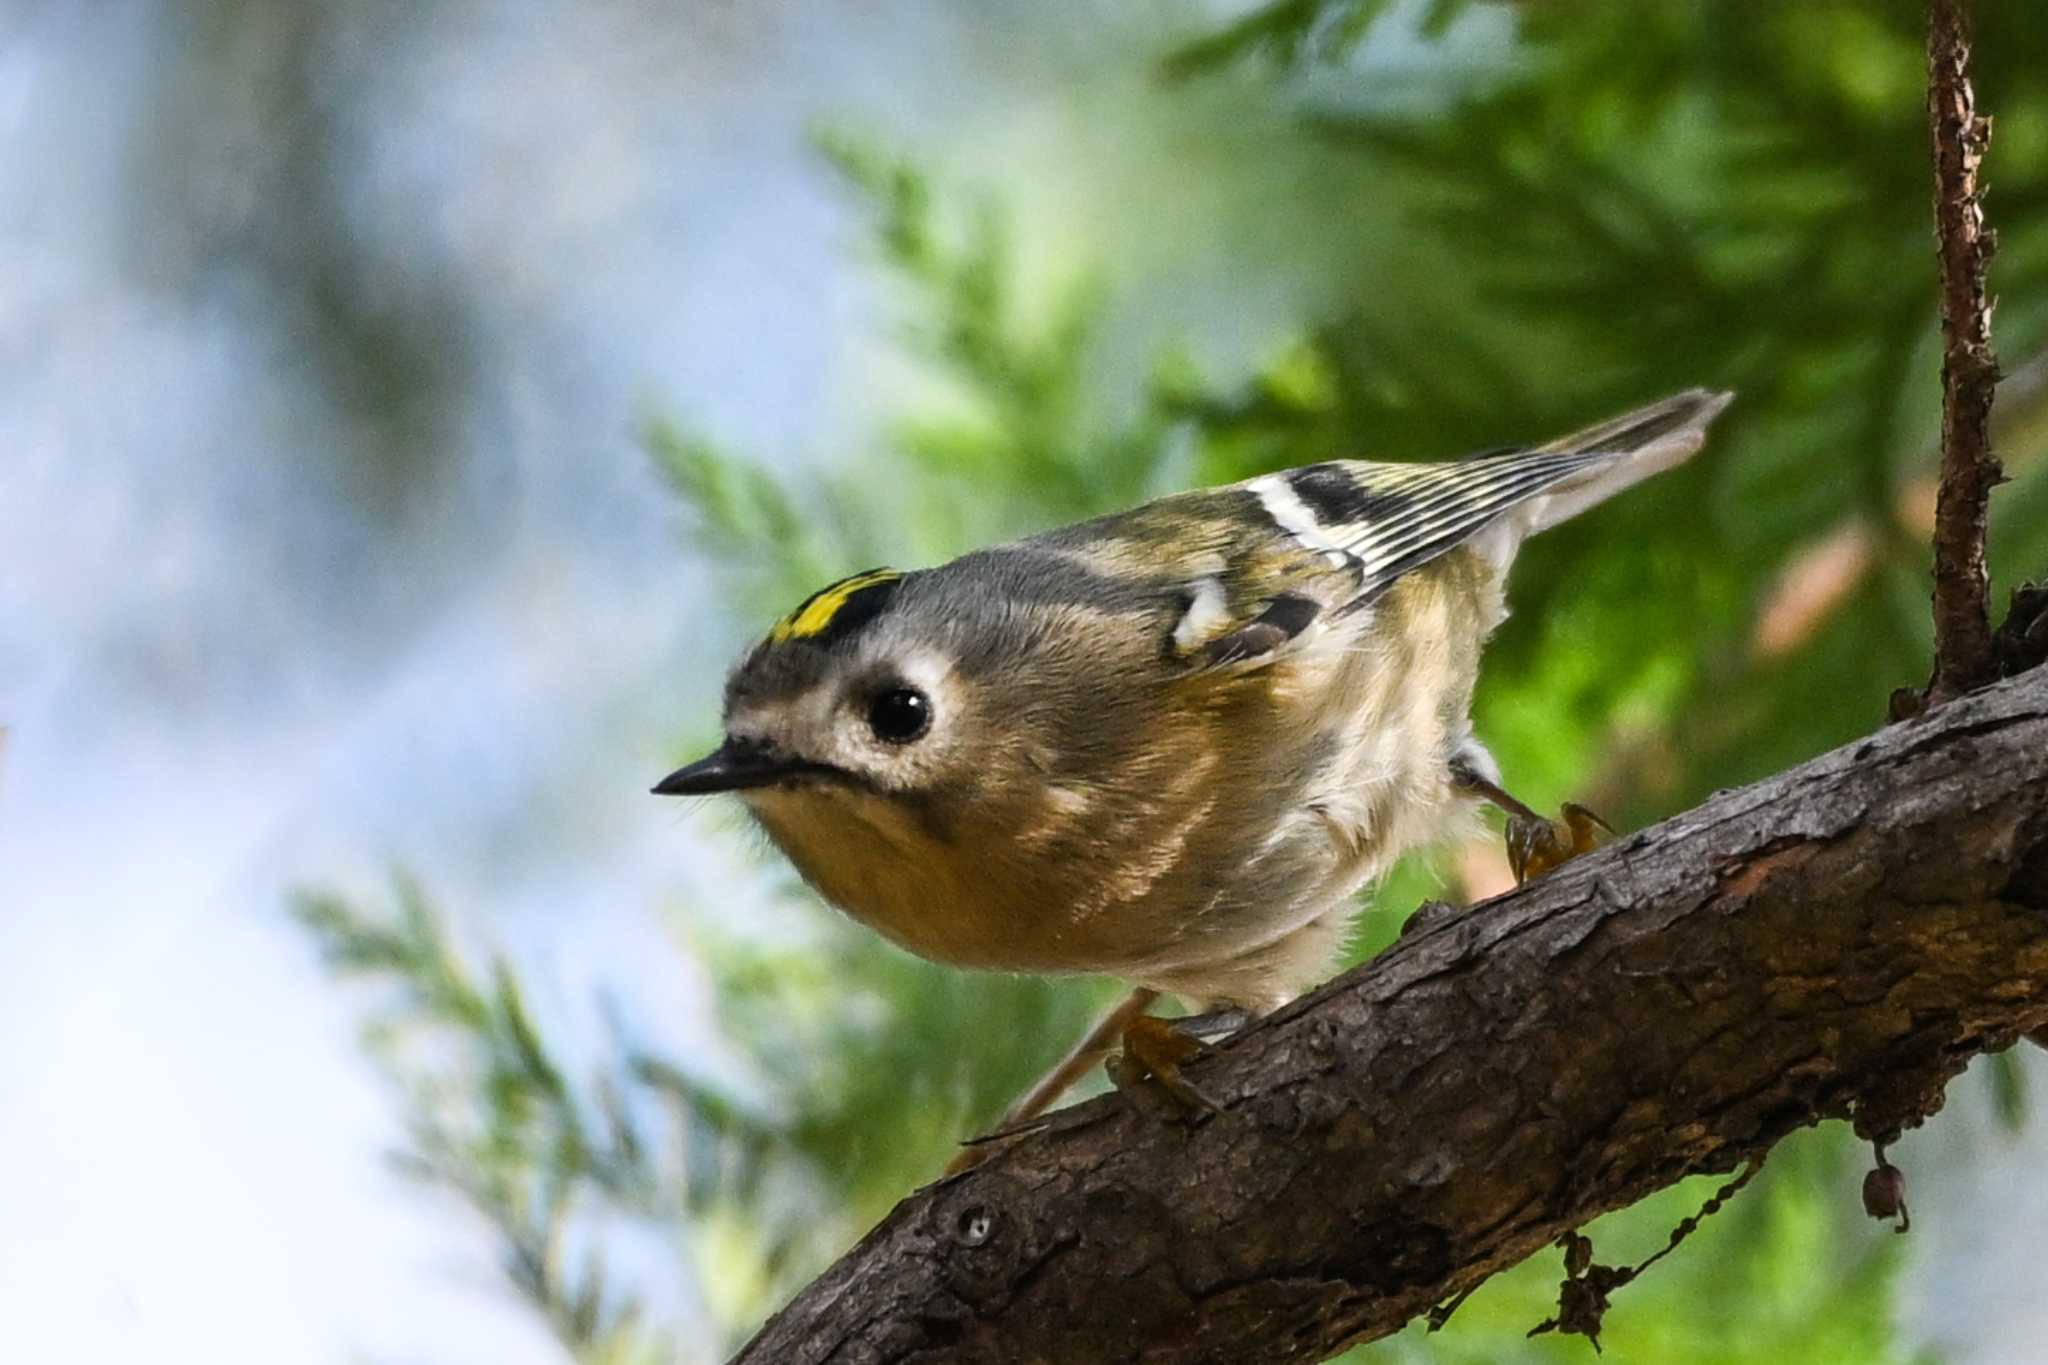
(1359,776)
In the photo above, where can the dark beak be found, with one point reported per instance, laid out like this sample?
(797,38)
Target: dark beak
(735,766)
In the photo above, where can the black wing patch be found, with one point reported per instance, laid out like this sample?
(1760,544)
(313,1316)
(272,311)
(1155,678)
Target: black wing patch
(1285,617)
(1339,499)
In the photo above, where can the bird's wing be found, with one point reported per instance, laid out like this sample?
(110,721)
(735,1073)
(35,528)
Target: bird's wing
(1288,550)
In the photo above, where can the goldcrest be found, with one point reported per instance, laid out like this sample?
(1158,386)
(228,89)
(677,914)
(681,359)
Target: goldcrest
(1169,744)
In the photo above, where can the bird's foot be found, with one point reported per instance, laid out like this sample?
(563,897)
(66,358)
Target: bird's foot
(1156,1049)
(1537,845)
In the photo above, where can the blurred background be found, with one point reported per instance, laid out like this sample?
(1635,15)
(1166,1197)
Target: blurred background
(408,410)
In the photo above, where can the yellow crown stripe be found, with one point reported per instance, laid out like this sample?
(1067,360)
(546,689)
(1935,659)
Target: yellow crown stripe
(815,615)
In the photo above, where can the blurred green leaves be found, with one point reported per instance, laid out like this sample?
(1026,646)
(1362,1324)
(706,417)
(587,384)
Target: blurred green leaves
(1288,33)
(1021,410)
(490,1116)
(1008,410)
(869,1066)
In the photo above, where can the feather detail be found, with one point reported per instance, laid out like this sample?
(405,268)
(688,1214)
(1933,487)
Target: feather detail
(1284,618)
(1251,572)
(1389,519)
(1208,610)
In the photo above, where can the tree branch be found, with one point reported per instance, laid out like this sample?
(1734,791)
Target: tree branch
(1835,942)
(1963,655)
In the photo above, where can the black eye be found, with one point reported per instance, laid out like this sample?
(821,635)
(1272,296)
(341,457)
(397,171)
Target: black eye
(900,715)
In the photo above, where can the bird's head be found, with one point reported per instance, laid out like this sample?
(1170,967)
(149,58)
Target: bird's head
(844,696)
(932,747)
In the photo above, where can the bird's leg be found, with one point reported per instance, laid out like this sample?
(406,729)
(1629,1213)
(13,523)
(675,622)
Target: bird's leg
(1137,1047)
(1099,1042)
(1536,844)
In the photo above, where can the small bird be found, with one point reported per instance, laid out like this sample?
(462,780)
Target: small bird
(1169,744)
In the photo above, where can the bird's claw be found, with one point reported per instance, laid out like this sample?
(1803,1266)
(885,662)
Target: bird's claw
(1154,1049)
(1537,845)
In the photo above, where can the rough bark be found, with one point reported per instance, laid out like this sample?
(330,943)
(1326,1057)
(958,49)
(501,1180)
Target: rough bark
(1963,656)
(1835,942)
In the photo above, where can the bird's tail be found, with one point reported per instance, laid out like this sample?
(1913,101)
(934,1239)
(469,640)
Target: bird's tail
(1647,441)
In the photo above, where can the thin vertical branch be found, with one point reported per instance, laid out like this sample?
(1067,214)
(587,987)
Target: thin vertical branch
(1963,656)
